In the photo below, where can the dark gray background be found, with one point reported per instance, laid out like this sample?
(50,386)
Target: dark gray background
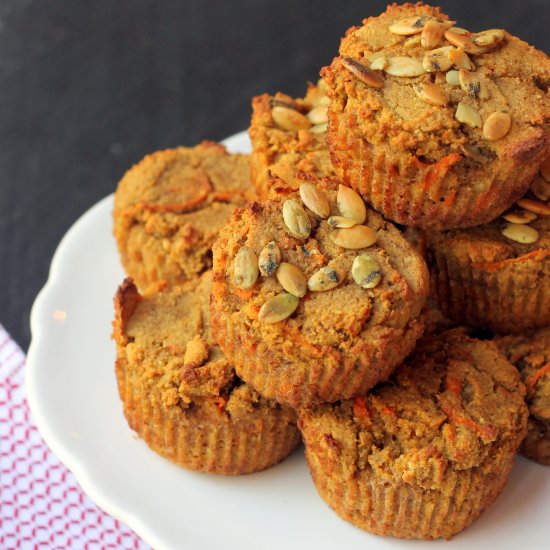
(87,87)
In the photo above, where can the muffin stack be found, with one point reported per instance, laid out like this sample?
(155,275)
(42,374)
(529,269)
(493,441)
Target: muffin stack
(410,421)
(179,391)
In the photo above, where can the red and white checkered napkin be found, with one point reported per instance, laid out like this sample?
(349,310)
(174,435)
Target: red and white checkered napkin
(41,504)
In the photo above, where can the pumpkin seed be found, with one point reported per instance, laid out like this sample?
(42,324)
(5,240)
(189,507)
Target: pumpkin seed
(452,78)
(411,25)
(315,199)
(537,207)
(379,63)
(318,115)
(289,119)
(291,279)
(351,204)
(324,279)
(289,103)
(245,268)
(319,128)
(464,41)
(472,84)
(339,222)
(404,66)
(459,58)
(524,234)
(432,94)
(358,236)
(468,115)
(497,125)
(437,60)
(364,74)
(296,219)
(459,30)
(412,42)
(278,308)
(269,259)
(372,56)
(365,271)
(540,188)
(520,216)
(475,153)
(490,39)
(432,33)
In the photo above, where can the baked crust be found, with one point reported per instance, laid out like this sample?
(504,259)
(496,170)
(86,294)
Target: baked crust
(530,353)
(295,155)
(339,342)
(181,394)
(422,455)
(482,279)
(414,161)
(170,206)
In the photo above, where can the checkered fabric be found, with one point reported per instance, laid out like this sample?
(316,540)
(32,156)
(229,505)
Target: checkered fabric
(41,504)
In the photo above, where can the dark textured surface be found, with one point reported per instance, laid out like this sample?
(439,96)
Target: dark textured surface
(88,88)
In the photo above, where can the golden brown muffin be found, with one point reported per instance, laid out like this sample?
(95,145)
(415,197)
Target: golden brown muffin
(530,353)
(181,394)
(436,127)
(289,139)
(170,206)
(424,454)
(495,276)
(333,311)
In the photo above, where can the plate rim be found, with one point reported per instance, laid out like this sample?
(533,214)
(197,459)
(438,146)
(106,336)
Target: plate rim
(83,472)
(61,449)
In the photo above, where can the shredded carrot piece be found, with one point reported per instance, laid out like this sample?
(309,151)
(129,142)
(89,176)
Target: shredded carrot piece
(227,196)
(220,403)
(531,382)
(360,408)
(181,207)
(491,267)
(243,295)
(453,384)
(485,432)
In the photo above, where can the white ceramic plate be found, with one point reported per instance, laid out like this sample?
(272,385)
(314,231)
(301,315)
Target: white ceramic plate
(72,393)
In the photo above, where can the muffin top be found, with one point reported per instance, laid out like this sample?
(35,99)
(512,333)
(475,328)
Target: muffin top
(455,404)
(434,89)
(530,353)
(290,137)
(184,180)
(320,291)
(497,243)
(522,232)
(167,336)
(173,203)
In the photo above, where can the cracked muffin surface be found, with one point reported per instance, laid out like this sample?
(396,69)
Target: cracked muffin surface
(181,394)
(170,206)
(435,126)
(422,455)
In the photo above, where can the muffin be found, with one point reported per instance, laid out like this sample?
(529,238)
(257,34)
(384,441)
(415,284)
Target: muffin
(422,455)
(530,353)
(309,308)
(288,139)
(434,126)
(495,276)
(170,206)
(180,393)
